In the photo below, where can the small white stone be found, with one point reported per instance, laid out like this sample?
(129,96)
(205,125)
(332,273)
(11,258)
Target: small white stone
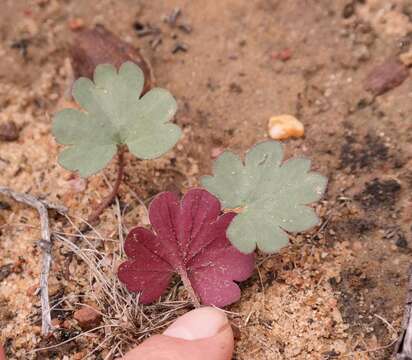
(284,127)
(406,58)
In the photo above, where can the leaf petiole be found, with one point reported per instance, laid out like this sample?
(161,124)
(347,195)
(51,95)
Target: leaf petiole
(188,286)
(109,198)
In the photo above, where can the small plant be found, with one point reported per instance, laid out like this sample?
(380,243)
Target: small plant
(189,239)
(209,249)
(269,195)
(114,117)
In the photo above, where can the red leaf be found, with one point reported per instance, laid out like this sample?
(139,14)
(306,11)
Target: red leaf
(189,239)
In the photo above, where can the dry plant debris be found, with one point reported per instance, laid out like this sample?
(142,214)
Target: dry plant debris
(45,244)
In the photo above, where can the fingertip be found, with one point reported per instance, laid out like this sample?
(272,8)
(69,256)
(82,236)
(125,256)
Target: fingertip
(198,324)
(201,334)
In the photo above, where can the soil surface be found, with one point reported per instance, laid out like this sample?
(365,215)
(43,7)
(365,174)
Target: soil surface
(337,292)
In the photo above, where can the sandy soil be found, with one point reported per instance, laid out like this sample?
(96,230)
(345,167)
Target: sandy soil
(336,292)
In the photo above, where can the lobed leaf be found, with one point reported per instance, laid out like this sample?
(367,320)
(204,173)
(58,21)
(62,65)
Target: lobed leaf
(272,196)
(114,115)
(188,238)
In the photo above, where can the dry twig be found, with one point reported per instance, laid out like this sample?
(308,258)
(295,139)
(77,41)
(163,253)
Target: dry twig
(45,245)
(403,349)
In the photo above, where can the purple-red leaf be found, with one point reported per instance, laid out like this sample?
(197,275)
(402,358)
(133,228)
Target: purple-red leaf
(188,238)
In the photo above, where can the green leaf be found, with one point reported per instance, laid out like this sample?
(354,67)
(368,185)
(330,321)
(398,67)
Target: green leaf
(114,115)
(273,196)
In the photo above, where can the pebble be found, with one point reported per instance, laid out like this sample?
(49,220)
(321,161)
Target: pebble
(9,131)
(283,55)
(401,241)
(87,317)
(348,10)
(406,58)
(283,127)
(386,76)
(5,271)
(76,24)
(4,206)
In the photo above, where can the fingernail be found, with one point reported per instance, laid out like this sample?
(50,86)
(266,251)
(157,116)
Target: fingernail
(198,324)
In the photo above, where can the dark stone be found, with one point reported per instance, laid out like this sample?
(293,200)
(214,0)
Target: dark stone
(92,47)
(401,242)
(9,131)
(235,88)
(348,10)
(5,271)
(138,26)
(386,76)
(4,205)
